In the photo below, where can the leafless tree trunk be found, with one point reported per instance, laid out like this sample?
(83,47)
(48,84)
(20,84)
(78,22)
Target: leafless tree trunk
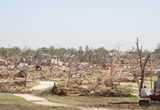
(142,64)
(68,78)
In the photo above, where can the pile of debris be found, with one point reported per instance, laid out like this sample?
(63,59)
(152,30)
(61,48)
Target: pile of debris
(12,86)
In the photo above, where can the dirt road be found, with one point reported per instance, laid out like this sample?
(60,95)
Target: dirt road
(38,100)
(42,85)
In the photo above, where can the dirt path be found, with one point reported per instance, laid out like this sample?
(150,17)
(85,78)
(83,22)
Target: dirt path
(43,85)
(42,101)
(38,100)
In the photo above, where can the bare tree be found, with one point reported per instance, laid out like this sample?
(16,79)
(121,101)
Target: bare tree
(142,61)
(72,61)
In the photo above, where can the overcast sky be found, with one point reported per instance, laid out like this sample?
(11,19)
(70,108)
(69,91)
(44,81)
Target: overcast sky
(73,23)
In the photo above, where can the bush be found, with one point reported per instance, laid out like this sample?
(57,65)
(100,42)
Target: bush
(58,91)
(85,92)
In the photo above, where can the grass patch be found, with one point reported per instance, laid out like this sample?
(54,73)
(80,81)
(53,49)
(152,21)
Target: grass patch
(11,102)
(88,101)
(23,107)
(6,98)
(106,102)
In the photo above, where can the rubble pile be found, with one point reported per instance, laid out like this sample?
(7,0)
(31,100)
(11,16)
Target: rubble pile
(12,86)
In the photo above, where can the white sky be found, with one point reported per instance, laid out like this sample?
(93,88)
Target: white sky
(73,23)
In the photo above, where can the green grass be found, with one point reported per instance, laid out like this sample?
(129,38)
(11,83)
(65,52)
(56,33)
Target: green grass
(89,101)
(11,102)
(106,102)
(6,98)
(20,107)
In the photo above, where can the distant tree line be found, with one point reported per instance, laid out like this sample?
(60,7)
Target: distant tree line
(86,54)
(82,54)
